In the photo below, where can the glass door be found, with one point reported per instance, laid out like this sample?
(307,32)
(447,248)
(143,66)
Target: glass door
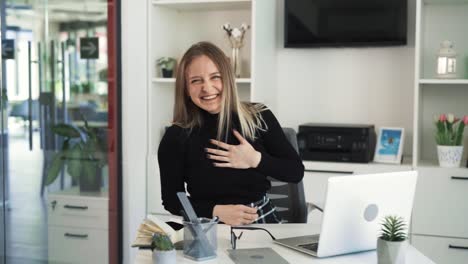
(4,191)
(59,124)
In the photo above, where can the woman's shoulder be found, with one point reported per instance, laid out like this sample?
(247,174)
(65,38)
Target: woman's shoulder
(257,108)
(262,110)
(175,133)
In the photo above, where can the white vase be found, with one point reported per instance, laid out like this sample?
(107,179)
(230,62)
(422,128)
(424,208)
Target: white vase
(164,257)
(390,252)
(235,62)
(449,156)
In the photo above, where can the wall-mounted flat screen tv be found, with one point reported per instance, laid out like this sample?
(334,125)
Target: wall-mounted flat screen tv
(335,23)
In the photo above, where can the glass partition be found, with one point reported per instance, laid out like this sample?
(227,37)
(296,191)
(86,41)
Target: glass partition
(59,122)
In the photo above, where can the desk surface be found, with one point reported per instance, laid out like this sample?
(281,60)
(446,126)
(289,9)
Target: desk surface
(257,239)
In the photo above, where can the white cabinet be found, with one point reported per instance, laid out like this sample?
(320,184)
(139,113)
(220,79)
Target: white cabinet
(440,210)
(442,250)
(440,206)
(174,25)
(78,227)
(439,227)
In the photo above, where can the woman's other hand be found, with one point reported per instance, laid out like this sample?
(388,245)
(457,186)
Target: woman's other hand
(242,156)
(235,214)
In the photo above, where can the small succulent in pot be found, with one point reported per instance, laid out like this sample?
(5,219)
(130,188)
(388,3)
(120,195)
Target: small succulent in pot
(392,243)
(161,242)
(163,249)
(393,229)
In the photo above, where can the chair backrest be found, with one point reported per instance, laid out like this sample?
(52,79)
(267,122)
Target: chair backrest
(20,109)
(289,198)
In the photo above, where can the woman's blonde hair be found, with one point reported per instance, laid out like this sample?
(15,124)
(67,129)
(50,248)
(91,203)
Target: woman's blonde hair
(188,115)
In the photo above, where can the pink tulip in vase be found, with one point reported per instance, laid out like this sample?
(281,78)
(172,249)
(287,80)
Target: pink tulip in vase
(449,138)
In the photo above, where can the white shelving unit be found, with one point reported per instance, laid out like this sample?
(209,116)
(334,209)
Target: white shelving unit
(174,25)
(438,20)
(435,224)
(443,81)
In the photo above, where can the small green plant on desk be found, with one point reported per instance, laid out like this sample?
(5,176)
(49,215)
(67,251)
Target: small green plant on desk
(392,243)
(163,249)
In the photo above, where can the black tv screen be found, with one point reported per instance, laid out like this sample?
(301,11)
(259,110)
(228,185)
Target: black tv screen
(321,23)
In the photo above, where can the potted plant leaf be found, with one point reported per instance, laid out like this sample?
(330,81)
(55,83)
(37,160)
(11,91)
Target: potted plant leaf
(167,65)
(83,153)
(163,249)
(392,243)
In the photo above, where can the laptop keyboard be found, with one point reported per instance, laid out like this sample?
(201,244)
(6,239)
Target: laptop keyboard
(312,246)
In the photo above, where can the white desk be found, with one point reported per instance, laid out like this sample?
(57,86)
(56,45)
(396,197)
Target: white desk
(258,238)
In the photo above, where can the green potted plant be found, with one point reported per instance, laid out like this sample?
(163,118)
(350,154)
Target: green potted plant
(87,87)
(449,139)
(163,249)
(392,243)
(167,65)
(84,154)
(75,88)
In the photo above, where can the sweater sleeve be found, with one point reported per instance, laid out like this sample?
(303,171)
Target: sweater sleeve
(172,168)
(279,160)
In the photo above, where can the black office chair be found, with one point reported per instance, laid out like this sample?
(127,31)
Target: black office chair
(289,198)
(21,110)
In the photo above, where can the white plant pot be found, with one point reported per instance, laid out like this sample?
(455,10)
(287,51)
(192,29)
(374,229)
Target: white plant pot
(389,252)
(449,156)
(164,257)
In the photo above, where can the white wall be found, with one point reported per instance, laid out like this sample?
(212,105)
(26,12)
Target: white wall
(347,85)
(134,124)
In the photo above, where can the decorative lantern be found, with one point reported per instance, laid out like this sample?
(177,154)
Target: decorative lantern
(447,60)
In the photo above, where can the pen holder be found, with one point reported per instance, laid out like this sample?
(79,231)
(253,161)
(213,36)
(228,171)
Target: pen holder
(200,240)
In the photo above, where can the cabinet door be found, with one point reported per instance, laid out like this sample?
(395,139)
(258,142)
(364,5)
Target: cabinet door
(441,249)
(441,206)
(78,245)
(76,211)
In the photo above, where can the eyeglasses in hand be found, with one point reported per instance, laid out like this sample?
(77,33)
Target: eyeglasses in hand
(235,237)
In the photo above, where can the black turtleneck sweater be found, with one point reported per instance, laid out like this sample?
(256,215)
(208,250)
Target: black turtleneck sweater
(182,159)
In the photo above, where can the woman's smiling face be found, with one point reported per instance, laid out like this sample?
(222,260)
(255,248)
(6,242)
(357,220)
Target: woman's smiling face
(204,84)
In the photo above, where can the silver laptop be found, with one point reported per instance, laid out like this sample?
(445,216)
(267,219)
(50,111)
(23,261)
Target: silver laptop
(354,209)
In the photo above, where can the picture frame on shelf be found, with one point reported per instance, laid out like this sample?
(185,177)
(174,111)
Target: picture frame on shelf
(389,147)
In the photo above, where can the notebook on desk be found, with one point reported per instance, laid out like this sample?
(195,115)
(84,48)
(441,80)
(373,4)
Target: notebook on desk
(354,209)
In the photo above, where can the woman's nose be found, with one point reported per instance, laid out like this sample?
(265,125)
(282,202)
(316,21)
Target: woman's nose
(207,85)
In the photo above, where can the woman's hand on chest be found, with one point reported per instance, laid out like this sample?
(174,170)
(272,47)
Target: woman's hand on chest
(242,156)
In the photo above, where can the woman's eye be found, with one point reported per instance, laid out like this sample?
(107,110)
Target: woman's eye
(195,81)
(216,77)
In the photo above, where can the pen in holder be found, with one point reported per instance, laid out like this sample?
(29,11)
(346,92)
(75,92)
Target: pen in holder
(200,240)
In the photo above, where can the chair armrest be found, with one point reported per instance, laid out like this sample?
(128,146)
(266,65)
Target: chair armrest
(312,206)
